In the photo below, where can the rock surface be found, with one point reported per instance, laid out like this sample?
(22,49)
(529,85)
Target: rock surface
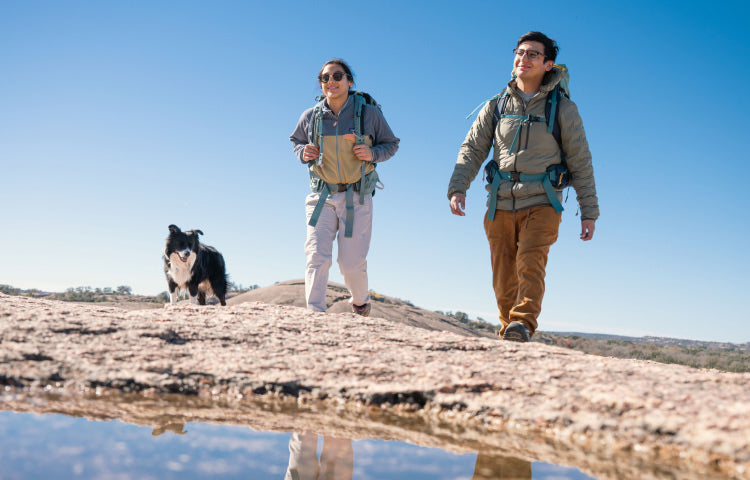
(292,293)
(435,388)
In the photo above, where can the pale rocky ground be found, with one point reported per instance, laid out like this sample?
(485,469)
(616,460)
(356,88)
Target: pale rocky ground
(277,367)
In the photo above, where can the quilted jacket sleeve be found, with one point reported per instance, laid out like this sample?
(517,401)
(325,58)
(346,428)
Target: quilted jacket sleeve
(578,158)
(473,151)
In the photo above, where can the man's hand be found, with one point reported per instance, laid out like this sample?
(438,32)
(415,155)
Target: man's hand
(458,204)
(587,229)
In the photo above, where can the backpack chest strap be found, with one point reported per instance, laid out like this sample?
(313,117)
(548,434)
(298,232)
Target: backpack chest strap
(525,120)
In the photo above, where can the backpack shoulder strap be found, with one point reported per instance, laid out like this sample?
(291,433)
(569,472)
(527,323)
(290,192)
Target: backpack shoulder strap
(499,108)
(315,129)
(359,118)
(552,114)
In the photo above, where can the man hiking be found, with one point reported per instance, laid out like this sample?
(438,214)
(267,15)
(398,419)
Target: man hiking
(539,147)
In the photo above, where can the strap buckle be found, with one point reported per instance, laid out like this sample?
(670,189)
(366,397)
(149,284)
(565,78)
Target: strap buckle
(515,176)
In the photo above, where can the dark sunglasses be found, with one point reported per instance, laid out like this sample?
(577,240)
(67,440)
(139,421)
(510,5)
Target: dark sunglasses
(337,76)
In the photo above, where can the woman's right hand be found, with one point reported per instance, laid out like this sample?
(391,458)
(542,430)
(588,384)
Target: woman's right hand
(311,152)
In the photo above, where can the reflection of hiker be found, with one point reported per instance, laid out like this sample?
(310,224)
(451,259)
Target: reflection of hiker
(501,468)
(177,428)
(535,132)
(340,139)
(336,459)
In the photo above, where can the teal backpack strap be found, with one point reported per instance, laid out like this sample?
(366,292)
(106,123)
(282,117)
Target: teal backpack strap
(499,107)
(551,194)
(518,131)
(526,119)
(349,224)
(316,130)
(499,95)
(493,196)
(362,186)
(324,194)
(522,177)
(553,98)
(359,105)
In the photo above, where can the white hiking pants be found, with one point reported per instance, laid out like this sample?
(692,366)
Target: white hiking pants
(336,458)
(352,252)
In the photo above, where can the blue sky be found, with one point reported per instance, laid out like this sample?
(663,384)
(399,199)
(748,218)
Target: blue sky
(120,118)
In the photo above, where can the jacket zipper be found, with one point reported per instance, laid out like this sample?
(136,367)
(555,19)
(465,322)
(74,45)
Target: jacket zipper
(338,162)
(528,130)
(515,160)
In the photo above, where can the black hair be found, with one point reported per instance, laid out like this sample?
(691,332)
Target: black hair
(550,46)
(342,64)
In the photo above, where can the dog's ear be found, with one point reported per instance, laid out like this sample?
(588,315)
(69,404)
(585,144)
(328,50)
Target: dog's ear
(174,229)
(198,232)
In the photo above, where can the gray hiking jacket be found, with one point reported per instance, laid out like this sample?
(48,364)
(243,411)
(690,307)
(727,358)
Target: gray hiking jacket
(340,165)
(535,150)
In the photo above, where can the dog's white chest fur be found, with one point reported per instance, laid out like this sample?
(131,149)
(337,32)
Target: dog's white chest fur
(180,271)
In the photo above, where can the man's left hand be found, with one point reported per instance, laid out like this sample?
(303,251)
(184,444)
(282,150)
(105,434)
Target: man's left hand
(587,229)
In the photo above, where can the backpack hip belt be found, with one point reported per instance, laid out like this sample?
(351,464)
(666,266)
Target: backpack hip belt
(366,185)
(495,175)
(325,192)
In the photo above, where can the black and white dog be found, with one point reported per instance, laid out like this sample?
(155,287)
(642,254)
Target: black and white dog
(192,266)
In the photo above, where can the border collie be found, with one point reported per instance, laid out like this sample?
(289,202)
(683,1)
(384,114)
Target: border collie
(190,265)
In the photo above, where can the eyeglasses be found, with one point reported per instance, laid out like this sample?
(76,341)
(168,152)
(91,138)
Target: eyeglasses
(532,54)
(337,76)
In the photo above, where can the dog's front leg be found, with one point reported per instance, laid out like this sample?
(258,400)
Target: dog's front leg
(174,291)
(193,291)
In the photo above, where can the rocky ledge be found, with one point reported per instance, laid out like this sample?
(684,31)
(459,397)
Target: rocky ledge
(479,392)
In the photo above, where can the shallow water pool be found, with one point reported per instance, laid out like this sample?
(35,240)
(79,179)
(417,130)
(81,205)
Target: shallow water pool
(34,446)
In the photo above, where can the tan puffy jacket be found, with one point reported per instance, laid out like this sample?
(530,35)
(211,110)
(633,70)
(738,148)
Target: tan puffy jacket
(535,150)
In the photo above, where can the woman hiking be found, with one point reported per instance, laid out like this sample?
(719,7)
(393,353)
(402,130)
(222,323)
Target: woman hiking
(340,139)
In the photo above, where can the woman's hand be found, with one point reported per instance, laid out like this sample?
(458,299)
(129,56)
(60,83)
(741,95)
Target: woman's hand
(311,152)
(363,152)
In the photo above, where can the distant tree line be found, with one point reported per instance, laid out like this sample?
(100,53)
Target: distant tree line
(234,287)
(725,359)
(378,297)
(77,294)
(478,324)
(106,294)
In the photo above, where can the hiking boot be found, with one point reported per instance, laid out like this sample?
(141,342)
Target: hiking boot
(363,310)
(516,332)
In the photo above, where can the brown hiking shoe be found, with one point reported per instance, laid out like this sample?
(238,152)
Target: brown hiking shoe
(363,310)
(516,332)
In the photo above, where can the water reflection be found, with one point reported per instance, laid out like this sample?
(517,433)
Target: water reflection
(336,458)
(337,461)
(505,468)
(64,447)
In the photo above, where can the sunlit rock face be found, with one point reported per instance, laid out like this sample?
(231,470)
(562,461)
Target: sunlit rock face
(440,387)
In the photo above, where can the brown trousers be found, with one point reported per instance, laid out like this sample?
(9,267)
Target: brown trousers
(501,468)
(519,244)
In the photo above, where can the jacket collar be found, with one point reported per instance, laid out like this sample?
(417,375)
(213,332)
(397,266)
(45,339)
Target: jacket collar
(551,79)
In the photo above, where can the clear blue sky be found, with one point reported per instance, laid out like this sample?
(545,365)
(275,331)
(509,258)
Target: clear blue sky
(120,118)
